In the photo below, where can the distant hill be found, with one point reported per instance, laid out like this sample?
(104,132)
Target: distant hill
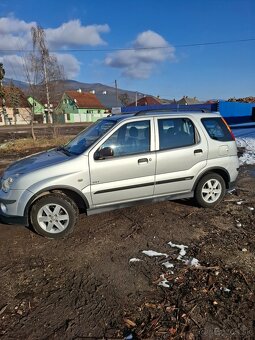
(106,94)
(20,84)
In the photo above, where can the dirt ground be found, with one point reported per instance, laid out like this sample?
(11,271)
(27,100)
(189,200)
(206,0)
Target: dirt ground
(86,287)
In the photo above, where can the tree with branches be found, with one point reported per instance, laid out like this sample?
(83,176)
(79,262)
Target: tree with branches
(43,73)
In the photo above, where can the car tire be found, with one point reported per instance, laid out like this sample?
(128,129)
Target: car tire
(210,190)
(54,215)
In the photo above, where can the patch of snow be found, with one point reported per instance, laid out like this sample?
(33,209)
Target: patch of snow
(248,143)
(134,259)
(153,253)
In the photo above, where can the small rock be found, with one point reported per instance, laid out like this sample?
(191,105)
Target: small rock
(244,250)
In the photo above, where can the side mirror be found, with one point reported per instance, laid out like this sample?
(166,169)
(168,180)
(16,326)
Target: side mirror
(103,153)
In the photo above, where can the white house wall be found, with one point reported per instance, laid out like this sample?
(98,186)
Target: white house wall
(23,118)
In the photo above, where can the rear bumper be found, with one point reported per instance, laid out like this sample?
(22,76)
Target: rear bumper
(231,186)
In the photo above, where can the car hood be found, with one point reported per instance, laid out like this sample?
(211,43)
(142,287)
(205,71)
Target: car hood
(36,161)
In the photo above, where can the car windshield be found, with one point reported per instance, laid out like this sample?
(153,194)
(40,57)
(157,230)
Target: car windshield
(88,136)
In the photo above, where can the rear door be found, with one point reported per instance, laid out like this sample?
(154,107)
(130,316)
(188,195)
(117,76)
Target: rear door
(129,173)
(182,153)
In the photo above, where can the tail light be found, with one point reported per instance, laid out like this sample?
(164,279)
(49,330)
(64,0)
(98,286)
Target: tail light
(228,127)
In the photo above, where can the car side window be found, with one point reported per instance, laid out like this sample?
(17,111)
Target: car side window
(176,133)
(217,129)
(131,138)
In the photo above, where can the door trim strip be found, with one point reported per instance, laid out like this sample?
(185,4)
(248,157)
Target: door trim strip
(144,185)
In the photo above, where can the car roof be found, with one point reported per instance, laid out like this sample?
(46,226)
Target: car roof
(162,113)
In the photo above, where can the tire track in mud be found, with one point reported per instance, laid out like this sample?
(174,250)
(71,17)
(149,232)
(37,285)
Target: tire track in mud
(80,306)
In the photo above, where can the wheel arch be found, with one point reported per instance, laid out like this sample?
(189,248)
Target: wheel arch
(217,170)
(79,199)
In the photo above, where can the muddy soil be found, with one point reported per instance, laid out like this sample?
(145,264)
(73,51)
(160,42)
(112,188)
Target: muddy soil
(98,283)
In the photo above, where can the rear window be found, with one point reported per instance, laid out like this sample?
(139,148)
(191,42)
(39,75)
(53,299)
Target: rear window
(217,129)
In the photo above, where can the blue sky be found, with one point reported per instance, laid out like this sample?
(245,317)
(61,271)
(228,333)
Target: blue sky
(100,28)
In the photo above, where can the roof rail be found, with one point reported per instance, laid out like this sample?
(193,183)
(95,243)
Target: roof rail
(144,112)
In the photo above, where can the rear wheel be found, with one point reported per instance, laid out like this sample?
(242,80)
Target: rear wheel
(210,190)
(54,215)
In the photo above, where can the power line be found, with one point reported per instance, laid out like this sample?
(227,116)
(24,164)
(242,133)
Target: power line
(223,42)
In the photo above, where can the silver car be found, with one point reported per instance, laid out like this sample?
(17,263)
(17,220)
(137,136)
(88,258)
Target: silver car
(117,162)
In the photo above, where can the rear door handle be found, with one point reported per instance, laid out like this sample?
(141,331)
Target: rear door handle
(198,151)
(143,160)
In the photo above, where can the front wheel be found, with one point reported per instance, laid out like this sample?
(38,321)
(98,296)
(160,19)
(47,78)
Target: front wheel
(54,215)
(210,190)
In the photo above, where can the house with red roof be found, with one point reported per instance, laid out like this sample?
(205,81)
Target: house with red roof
(147,100)
(14,107)
(78,106)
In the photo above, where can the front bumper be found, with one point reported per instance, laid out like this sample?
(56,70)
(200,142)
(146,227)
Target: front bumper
(9,208)
(6,219)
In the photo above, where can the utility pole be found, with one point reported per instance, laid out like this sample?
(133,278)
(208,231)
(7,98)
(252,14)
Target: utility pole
(2,73)
(116,90)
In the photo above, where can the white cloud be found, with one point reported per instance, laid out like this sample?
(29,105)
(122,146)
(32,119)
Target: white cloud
(13,25)
(148,50)
(72,33)
(70,63)
(15,34)
(14,66)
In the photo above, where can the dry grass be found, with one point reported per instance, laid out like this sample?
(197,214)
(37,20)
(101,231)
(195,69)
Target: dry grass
(22,145)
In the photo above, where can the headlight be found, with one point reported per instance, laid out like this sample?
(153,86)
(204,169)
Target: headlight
(6,184)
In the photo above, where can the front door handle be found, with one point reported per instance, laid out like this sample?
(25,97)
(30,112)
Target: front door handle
(143,160)
(198,151)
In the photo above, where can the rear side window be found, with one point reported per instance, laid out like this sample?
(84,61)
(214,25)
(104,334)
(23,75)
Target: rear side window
(217,129)
(175,133)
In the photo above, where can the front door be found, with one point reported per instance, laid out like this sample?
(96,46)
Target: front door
(129,172)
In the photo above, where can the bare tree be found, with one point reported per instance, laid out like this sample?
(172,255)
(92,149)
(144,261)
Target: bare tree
(43,74)
(124,98)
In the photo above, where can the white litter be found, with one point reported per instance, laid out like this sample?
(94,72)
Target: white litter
(153,253)
(134,259)
(192,262)
(181,247)
(168,265)
(251,208)
(164,282)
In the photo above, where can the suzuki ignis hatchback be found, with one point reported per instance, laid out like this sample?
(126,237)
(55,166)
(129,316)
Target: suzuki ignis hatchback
(117,162)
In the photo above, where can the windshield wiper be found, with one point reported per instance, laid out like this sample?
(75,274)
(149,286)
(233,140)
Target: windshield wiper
(64,150)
